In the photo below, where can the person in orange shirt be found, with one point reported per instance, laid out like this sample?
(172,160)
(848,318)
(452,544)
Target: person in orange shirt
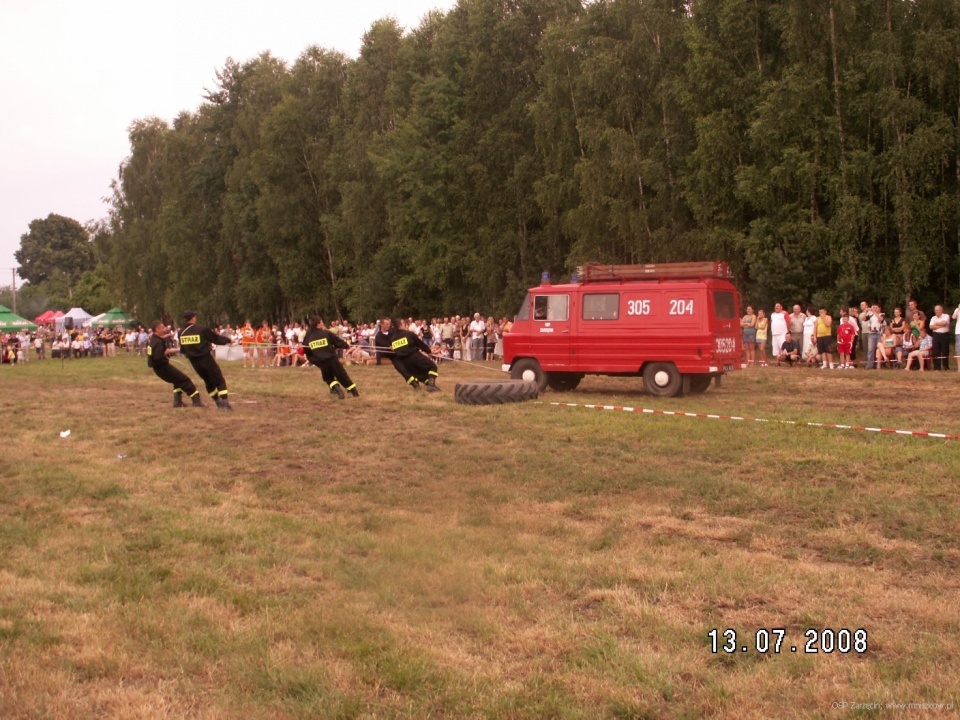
(248,338)
(283,352)
(264,338)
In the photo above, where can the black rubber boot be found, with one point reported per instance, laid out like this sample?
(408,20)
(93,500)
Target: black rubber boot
(223,403)
(178,399)
(354,392)
(432,385)
(197,402)
(415,384)
(339,391)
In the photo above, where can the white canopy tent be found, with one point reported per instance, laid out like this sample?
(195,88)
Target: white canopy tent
(79,316)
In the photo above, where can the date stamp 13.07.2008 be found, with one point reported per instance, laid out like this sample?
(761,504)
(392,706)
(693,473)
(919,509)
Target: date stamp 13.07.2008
(773,641)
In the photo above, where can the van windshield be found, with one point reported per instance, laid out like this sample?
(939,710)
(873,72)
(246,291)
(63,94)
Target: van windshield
(524,313)
(724,305)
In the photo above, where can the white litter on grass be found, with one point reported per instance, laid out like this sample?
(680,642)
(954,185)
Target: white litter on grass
(65,433)
(120,457)
(249,402)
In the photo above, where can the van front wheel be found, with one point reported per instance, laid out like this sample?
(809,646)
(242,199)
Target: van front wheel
(662,379)
(529,370)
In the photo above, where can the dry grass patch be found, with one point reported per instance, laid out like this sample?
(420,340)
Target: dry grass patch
(402,556)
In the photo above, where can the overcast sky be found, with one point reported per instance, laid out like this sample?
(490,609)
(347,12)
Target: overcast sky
(76,73)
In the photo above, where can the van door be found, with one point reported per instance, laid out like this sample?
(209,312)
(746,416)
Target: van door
(725,325)
(601,345)
(551,330)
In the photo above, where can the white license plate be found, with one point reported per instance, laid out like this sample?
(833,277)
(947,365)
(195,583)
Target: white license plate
(728,368)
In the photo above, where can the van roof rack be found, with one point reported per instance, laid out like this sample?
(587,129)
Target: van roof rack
(598,272)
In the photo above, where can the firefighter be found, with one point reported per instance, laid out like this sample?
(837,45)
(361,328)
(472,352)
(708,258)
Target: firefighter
(383,338)
(195,345)
(410,362)
(159,347)
(321,347)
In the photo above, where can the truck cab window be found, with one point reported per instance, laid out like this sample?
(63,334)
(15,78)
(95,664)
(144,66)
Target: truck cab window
(551,307)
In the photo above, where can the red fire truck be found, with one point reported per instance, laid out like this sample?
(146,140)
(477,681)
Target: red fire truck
(676,325)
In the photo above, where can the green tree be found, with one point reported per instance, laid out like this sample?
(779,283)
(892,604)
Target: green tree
(246,95)
(55,246)
(634,135)
(298,202)
(734,48)
(374,98)
(460,167)
(134,244)
(32,300)
(92,292)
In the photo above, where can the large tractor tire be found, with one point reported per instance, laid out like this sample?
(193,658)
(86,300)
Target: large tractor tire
(494,392)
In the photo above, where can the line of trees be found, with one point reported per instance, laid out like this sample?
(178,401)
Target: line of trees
(57,259)
(815,144)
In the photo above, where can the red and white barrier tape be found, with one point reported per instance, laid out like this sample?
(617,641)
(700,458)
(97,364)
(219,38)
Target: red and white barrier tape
(648,411)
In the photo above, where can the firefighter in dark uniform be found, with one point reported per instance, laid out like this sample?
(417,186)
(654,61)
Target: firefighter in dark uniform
(320,346)
(410,362)
(382,340)
(159,347)
(195,345)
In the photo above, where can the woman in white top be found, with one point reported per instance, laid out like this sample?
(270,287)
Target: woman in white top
(809,325)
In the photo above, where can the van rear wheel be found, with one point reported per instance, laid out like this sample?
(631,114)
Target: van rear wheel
(529,370)
(662,379)
(563,382)
(699,383)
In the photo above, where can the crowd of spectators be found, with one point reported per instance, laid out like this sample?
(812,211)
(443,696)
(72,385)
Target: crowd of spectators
(269,345)
(864,336)
(50,342)
(449,338)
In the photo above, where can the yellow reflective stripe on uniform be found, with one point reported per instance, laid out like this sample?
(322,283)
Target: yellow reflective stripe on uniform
(317,344)
(402,342)
(150,350)
(189,339)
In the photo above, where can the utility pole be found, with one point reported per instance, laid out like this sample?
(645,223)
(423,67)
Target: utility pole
(13,288)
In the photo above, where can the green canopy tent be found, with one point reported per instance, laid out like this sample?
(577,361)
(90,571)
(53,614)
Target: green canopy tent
(113,318)
(9,321)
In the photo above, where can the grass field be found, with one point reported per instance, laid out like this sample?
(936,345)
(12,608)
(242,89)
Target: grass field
(403,556)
